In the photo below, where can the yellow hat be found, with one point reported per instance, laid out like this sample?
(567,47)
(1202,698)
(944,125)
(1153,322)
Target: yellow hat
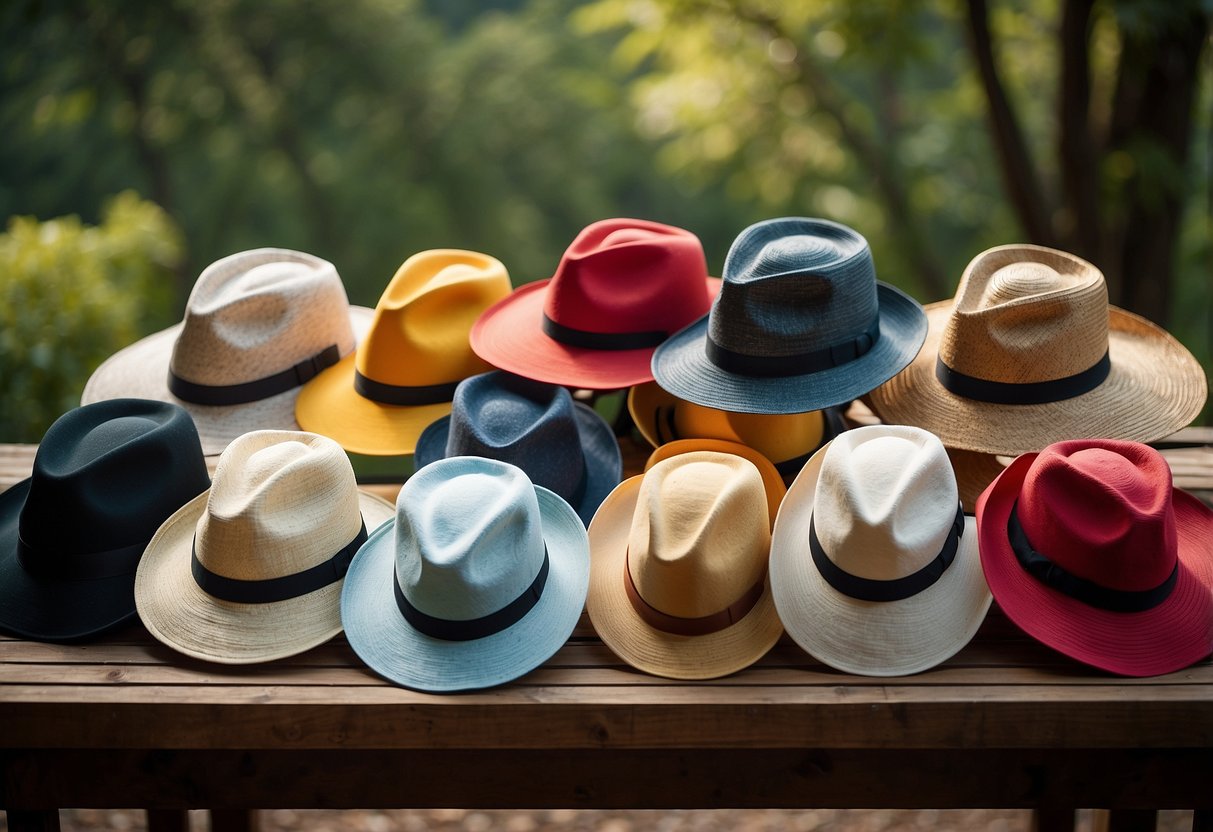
(403,375)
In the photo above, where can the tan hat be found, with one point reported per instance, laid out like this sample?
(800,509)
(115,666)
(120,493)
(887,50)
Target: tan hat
(974,473)
(252,569)
(772,482)
(678,568)
(1030,353)
(258,324)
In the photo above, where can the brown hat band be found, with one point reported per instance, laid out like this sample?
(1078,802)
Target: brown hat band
(702,626)
(1033,392)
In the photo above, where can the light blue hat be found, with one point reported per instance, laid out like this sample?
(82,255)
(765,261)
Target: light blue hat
(479,579)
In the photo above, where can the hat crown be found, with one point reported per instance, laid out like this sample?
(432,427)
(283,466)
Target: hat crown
(282,502)
(886,501)
(257,313)
(1102,510)
(1026,314)
(700,536)
(419,334)
(469,537)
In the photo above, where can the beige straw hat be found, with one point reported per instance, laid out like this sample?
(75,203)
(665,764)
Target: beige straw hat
(678,568)
(252,569)
(258,324)
(1030,353)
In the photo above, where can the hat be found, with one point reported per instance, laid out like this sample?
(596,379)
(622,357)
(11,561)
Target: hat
(404,373)
(480,578)
(1089,550)
(772,480)
(105,477)
(873,564)
(801,323)
(788,440)
(1031,353)
(251,570)
(974,473)
(678,583)
(561,444)
(257,325)
(621,288)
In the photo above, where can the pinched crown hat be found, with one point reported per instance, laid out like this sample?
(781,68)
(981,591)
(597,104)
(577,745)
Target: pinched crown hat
(404,373)
(1030,353)
(258,324)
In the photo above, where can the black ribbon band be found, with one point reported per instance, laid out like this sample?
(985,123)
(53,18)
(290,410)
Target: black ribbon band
(277,589)
(410,396)
(1090,593)
(1034,392)
(252,391)
(473,628)
(778,366)
(79,566)
(868,589)
(602,340)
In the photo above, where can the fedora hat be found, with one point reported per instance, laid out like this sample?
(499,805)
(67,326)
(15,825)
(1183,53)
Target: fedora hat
(678,583)
(800,324)
(479,579)
(772,480)
(873,564)
(252,569)
(105,476)
(562,445)
(404,373)
(1090,550)
(1030,353)
(621,288)
(257,325)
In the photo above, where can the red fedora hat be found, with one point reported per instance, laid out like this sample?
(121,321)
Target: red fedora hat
(621,288)
(1088,549)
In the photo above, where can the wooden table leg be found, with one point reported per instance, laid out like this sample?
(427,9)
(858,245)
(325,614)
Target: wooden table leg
(168,820)
(1053,820)
(33,820)
(234,820)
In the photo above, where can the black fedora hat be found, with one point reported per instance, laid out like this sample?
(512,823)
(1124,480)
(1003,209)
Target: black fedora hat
(105,477)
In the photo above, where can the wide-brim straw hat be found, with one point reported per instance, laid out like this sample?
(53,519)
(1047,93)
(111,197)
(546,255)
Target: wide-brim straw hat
(772,480)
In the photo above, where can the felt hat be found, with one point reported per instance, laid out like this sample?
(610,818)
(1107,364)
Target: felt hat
(105,477)
(800,324)
(561,444)
(1090,550)
(252,569)
(772,480)
(404,373)
(678,583)
(479,579)
(257,325)
(873,564)
(621,288)
(1030,353)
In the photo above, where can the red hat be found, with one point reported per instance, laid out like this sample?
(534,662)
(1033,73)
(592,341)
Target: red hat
(622,288)
(1088,549)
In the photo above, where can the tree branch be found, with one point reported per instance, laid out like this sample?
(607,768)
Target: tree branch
(1078,154)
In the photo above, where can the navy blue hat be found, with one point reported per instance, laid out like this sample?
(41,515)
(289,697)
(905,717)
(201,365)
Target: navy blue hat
(105,477)
(562,445)
(801,323)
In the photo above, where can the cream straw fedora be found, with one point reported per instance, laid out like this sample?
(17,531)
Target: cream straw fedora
(258,324)
(252,569)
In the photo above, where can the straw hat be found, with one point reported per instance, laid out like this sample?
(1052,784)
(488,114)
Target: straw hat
(678,583)
(974,473)
(772,480)
(404,374)
(1089,550)
(800,324)
(562,445)
(1031,353)
(105,477)
(252,569)
(874,567)
(480,578)
(621,288)
(257,325)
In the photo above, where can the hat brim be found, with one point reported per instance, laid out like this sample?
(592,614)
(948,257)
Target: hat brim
(1169,637)
(1155,387)
(509,335)
(871,638)
(179,613)
(681,366)
(140,371)
(645,647)
(50,610)
(599,448)
(391,647)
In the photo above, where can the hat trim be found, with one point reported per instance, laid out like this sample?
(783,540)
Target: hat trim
(797,364)
(405,395)
(701,626)
(77,566)
(221,395)
(1031,392)
(586,339)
